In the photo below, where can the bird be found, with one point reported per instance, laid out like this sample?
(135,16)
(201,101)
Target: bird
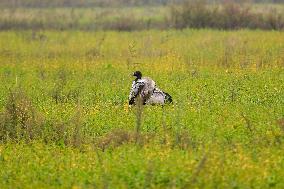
(145,89)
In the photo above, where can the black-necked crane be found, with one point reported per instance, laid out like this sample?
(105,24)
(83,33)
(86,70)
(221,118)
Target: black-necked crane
(145,89)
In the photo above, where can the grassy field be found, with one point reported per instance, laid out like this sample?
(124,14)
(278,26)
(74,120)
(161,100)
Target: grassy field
(65,120)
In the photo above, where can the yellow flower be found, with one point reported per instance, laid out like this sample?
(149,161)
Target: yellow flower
(76,187)
(126,107)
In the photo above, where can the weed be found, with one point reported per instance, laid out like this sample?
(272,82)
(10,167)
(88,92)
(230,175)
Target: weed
(20,120)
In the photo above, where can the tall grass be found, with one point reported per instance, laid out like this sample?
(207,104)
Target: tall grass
(19,120)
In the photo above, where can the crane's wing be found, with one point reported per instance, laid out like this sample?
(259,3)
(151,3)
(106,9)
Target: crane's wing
(149,86)
(159,97)
(136,88)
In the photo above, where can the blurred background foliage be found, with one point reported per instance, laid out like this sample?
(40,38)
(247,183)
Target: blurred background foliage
(129,15)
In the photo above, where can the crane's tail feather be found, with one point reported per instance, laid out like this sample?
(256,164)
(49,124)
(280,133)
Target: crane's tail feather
(168,98)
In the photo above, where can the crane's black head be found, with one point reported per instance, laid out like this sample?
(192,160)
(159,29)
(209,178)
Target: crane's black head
(137,74)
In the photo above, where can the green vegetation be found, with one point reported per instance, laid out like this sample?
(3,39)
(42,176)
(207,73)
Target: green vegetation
(65,120)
